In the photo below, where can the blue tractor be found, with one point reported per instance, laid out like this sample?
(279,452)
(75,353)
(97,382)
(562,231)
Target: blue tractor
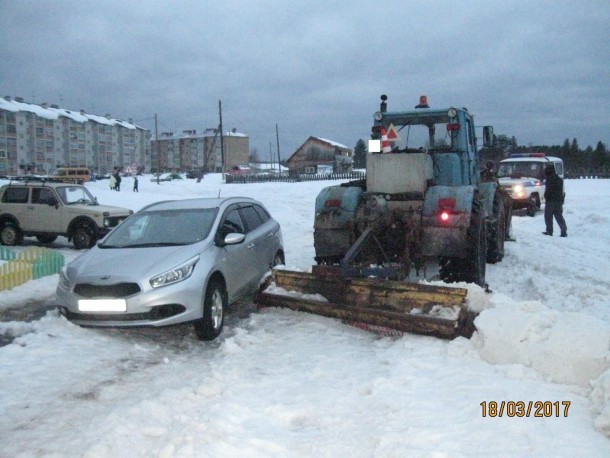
(423,200)
(424,210)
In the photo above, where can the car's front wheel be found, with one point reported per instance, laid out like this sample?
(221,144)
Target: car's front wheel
(215,302)
(10,234)
(83,237)
(278,259)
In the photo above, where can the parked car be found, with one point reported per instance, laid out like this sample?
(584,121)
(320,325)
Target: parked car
(522,176)
(194,174)
(173,262)
(46,210)
(166,177)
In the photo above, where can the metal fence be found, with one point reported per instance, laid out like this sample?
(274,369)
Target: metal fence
(265,178)
(584,176)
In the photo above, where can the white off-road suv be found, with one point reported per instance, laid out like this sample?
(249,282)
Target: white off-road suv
(46,210)
(522,176)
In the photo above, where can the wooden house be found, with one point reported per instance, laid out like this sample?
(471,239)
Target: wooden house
(320,154)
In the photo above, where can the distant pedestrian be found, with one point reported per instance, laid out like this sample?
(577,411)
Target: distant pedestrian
(112,182)
(554,196)
(135,184)
(117,177)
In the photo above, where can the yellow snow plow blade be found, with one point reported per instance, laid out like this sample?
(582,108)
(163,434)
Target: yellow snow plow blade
(375,303)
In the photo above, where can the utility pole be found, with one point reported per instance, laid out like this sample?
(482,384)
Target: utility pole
(158,153)
(271,157)
(277,139)
(222,143)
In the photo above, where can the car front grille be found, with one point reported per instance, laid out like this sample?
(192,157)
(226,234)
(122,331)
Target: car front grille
(118,290)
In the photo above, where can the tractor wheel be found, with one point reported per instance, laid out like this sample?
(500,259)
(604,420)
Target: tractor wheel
(472,268)
(474,271)
(508,212)
(497,232)
(10,234)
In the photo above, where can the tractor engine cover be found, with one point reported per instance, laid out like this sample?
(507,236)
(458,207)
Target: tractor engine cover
(399,173)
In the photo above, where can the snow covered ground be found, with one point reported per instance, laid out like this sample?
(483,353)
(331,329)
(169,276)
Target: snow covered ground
(284,383)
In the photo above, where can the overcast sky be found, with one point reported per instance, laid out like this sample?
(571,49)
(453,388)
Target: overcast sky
(536,70)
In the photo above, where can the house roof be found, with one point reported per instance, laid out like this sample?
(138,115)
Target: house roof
(321,140)
(54,112)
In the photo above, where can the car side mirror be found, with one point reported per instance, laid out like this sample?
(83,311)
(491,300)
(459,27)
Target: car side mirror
(234,238)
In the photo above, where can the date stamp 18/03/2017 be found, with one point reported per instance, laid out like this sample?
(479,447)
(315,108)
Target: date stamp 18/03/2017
(525,408)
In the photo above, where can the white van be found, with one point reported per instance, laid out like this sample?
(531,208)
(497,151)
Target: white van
(522,176)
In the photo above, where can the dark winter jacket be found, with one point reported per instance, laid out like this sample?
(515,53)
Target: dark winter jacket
(554,186)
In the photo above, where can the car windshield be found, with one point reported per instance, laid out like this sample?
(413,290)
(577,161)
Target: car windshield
(524,169)
(162,228)
(76,195)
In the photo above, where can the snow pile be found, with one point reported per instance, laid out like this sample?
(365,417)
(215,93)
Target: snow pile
(600,397)
(278,290)
(566,347)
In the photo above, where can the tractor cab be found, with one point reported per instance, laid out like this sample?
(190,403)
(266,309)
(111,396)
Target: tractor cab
(447,134)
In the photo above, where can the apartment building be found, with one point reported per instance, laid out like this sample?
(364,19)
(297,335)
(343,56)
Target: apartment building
(192,151)
(36,139)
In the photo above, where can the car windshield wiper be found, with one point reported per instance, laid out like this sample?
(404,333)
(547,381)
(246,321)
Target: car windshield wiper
(153,244)
(143,245)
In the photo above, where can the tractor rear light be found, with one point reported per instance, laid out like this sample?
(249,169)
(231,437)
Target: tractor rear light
(446,206)
(332,203)
(453,127)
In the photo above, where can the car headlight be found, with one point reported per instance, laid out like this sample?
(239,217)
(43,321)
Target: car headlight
(518,188)
(175,275)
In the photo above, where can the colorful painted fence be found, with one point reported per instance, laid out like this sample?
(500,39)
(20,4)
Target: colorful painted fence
(29,264)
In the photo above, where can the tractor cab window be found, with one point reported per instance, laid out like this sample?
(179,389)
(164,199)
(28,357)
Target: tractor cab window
(435,133)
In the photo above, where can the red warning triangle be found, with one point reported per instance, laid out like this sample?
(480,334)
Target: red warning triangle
(392,133)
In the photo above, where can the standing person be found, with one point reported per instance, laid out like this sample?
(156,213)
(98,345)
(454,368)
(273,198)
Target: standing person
(135,184)
(554,197)
(118,181)
(112,182)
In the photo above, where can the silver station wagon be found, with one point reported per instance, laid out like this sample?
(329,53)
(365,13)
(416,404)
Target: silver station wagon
(173,262)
